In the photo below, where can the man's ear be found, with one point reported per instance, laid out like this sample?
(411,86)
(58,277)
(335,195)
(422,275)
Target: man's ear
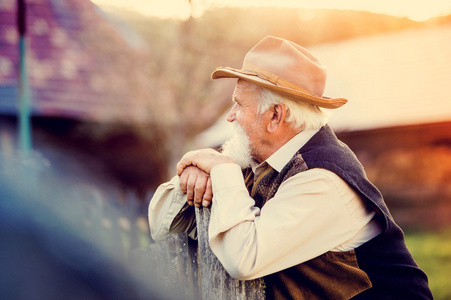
(276,117)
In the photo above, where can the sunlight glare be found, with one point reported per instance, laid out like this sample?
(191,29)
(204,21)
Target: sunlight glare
(163,9)
(414,10)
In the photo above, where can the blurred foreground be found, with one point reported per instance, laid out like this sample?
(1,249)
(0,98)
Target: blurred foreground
(59,243)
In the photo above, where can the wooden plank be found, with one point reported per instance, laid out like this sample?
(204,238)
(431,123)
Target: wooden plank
(168,266)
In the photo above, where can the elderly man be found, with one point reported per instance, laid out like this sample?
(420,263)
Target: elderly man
(289,202)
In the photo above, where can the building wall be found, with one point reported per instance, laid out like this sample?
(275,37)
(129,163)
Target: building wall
(411,165)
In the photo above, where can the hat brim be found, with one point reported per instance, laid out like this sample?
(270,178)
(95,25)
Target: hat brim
(290,93)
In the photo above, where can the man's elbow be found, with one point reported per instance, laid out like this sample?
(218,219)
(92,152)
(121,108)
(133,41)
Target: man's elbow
(238,274)
(157,233)
(238,271)
(239,262)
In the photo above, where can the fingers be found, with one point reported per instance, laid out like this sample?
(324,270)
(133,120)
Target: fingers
(199,189)
(187,160)
(186,179)
(183,181)
(196,184)
(208,195)
(190,185)
(181,167)
(194,169)
(204,159)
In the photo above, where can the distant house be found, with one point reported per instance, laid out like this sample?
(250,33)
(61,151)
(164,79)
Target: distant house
(79,65)
(88,87)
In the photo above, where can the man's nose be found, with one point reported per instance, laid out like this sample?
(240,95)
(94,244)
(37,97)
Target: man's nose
(231,116)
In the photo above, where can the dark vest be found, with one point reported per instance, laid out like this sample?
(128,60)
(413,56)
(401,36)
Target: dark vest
(382,268)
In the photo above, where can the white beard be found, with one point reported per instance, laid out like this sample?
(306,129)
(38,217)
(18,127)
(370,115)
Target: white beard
(238,147)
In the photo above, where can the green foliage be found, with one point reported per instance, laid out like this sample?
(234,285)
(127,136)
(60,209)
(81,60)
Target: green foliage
(432,252)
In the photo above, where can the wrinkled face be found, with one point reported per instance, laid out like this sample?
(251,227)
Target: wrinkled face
(244,112)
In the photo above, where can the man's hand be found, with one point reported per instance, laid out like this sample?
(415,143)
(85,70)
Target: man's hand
(196,184)
(204,159)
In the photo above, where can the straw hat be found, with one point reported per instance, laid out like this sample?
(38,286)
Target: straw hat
(285,68)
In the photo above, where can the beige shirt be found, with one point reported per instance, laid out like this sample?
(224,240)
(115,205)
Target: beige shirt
(312,212)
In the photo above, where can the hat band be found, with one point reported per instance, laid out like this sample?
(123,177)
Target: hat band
(271,77)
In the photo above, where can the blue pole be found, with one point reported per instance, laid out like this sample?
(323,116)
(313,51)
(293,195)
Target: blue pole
(24,95)
(24,123)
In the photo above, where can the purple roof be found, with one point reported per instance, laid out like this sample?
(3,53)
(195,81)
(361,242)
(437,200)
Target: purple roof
(79,65)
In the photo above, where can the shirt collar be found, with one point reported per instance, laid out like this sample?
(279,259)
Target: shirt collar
(281,157)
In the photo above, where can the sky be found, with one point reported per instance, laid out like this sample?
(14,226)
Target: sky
(415,10)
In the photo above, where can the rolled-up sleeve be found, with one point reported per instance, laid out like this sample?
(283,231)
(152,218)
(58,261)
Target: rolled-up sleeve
(169,213)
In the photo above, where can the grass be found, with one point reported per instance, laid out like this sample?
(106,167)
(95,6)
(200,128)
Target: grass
(432,252)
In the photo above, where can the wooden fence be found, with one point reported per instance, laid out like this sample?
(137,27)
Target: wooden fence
(109,218)
(192,268)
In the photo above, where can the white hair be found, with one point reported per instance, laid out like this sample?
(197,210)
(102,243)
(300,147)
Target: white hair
(238,147)
(301,115)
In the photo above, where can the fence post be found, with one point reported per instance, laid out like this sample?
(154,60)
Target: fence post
(215,282)
(170,265)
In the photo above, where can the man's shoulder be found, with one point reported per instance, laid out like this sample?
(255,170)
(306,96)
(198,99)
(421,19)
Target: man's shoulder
(324,148)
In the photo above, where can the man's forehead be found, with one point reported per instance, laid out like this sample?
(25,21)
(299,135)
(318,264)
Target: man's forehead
(244,88)
(236,93)
(245,84)
(240,95)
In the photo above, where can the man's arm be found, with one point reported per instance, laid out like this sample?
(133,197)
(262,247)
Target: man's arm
(313,212)
(204,159)
(170,209)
